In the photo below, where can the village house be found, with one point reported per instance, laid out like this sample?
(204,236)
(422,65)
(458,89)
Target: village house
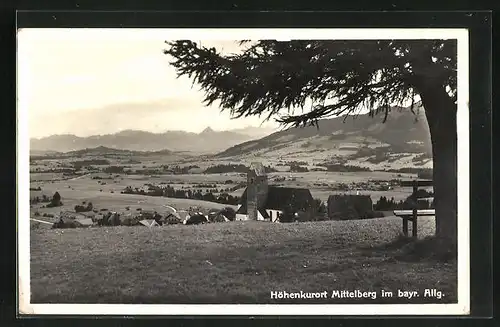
(349,206)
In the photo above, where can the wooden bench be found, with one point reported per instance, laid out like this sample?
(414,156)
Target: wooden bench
(414,213)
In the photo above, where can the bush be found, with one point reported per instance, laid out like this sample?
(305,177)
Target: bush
(80,208)
(65,223)
(56,198)
(343,168)
(229,213)
(129,221)
(294,168)
(55,201)
(372,214)
(110,219)
(53,205)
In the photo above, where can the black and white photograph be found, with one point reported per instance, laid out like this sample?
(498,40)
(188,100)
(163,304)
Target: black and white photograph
(243,171)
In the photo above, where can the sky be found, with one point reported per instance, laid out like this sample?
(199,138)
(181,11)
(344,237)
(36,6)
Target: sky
(94,81)
(101,81)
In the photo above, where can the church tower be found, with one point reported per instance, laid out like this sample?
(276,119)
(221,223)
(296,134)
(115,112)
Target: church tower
(257,189)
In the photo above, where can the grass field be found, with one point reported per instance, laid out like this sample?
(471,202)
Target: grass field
(105,194)
(75,191)
(238,262)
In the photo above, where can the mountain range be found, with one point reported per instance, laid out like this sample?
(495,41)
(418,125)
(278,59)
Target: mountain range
(208,141)
(403,132)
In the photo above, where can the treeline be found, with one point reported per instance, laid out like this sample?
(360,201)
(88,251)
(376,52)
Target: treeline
(209,187)
(171,192)
(54,201)
(296,168)
(289,163)
(89,162)
(384,204)
(86,207)
(422,173)
(239,168)
(342,168)
(57,170)
(114,170)
(177,170)
(422,157)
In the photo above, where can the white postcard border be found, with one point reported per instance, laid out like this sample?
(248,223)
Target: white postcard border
(463,306)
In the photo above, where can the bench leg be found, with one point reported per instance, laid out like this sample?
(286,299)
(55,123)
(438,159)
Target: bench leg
(414,223)
(414,228)
(405,227)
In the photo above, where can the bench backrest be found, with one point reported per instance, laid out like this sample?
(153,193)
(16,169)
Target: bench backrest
(416,184)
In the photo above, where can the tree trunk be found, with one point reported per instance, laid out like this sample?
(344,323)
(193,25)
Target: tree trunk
(441,115)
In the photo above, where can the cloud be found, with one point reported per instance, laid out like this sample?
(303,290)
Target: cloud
(87,82)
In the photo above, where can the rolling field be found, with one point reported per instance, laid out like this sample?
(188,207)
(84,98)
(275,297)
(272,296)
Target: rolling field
(76,190)
(105,194)
(238,262)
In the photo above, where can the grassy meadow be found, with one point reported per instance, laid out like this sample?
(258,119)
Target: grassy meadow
(236,262)
(239,262)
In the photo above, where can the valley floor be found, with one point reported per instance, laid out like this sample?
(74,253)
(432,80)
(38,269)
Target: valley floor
(238,262)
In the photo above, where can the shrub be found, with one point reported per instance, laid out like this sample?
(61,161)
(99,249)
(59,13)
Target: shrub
(372,214)
(52,205)
(129,221)
(229,213)
(80,208)
(298,169)
(64,223)
(55,201)
(56,198)
(110,219)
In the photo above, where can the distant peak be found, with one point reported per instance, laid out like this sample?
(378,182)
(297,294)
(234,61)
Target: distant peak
(207,130)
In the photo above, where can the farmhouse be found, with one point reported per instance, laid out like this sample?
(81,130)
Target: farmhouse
(69,219)
(349,206)
(263,202)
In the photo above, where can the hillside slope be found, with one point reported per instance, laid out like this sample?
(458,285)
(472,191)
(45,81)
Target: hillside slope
(362,138)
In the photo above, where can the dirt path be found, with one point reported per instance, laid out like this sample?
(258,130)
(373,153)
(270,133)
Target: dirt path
(75,178)
(41,221)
